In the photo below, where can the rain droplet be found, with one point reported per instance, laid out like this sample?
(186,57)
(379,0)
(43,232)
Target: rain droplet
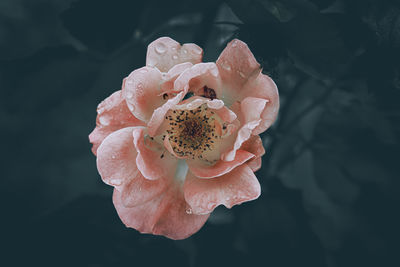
(104,120)
(226,66)
(189,211)
(234,44)
(139,85)
(113,157)
(228,198)
(184,51)
(129,95)
(131,108)
(241,74)
(115,182)
(160,48)
(175,57)
(173,48)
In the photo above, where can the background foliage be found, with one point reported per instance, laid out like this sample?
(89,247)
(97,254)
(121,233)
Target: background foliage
(330,178)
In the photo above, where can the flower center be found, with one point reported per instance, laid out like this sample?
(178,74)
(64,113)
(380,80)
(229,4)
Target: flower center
(192,132)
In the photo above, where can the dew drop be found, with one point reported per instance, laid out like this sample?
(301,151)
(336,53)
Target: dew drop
(189,211)
(234,44)
(113,157)
(160,48)
(173,48)
(184,51)
(241,74)
(131,108)
(175,57)
(228,198)
(226,66)
(129,95)
(115,182)
(104,120)
(214,72)
(139,85)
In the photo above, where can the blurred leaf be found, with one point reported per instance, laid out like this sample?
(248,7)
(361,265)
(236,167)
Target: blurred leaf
(27,26)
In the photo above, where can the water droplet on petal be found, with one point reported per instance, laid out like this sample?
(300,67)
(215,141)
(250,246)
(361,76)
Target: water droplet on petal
(214,72)
(175,57)
(113,157)
(115,182)
(189,211)
(234,44)
(227,198)
(173,48)
(160,48)
(226,66)
(184,51)
(242,74)
(139,85)
(131,108)
(104,120)
(129,95)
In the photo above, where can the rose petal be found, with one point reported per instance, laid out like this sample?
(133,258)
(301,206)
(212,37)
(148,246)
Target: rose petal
(142,92)
(139,190)
(249,113)
(152,161)
(164,53)
(238,186)
(116,158)
(263,87)
(236,65)
(195,78)
(166,215)
(219,168)
(113,114)
(255,146)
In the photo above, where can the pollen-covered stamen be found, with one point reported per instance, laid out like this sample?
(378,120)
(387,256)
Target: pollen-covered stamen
(192,132)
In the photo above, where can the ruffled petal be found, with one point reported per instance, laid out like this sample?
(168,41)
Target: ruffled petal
(255,146)
(263,87)
(166,215)
(139,190)
(152,160)
(112,115)
(219,168)
(142,92)
(158,115)
(236,65)
(238,186)
(116,158)
(249,113)
(164,53)
(194,79)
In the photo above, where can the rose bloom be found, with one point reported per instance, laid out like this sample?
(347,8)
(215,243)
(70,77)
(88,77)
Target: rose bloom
(181,137)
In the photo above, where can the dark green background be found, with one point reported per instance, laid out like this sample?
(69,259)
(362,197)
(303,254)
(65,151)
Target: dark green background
(330,177)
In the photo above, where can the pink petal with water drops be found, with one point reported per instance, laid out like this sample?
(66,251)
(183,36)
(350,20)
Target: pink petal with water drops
(164,53)
(112,115)
(166,214)
(238,186)
(152,160)
(116,158)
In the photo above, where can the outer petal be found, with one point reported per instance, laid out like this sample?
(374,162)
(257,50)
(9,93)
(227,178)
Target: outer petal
(113,114)
(166,215)
(263,87)
(152,161)
(164,53)
(139,190)
(233,188)
(116,158)
(236,65)
(254,145)
(221,167)
(249,113)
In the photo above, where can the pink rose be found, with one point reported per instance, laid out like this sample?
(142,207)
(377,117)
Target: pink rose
(181,137)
